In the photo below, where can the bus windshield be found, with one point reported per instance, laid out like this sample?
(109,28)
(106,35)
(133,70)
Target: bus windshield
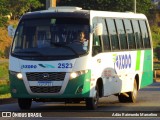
(51,37)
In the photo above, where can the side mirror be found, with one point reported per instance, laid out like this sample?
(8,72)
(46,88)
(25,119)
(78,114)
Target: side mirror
(11,31)
(98,29)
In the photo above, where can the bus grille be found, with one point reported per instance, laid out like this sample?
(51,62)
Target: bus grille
(53,89)
(47,76)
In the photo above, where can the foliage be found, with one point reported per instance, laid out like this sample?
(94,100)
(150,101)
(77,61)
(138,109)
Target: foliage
(4,71)
(4,96)
(143,6)
(4,80)
(3,21)
(156,65)
(156,40)
(19,7)
(155,35)
(3,7)
(4,89)
(109,5)
(3,12)
(5,42)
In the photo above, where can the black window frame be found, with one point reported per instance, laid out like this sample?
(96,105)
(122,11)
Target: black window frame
(100,20)
(96,49)
(140,37)
(111,42)
(145,47)
(134,40)
(128,48)
(119,35)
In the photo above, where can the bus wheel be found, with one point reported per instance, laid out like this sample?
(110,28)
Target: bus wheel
(24,104)
(132,96)
(92,103)
(122,98)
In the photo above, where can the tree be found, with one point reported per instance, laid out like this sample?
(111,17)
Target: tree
(3,12)
(109,5)
(19,7)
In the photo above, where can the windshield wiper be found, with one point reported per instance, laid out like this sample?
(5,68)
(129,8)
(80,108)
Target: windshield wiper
(68,47)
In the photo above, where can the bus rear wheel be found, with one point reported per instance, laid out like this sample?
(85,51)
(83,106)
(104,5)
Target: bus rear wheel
(24,103)
(92,103)
(132,96)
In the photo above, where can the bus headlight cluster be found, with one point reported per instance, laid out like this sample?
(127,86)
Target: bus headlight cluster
(17,74)
(77,73)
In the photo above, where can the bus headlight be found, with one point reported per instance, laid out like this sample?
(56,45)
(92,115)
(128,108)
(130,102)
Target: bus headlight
(17,74)
(73,75)
(77,73)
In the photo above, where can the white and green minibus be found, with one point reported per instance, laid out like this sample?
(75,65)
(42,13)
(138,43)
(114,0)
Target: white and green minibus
(48,62)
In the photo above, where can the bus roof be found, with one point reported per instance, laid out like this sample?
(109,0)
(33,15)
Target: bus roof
(79,12)
(72,12)
(94,13)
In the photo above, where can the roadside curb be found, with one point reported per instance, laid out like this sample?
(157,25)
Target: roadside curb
(7,101)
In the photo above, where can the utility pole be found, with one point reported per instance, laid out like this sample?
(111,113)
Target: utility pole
(50,3)
(134,6)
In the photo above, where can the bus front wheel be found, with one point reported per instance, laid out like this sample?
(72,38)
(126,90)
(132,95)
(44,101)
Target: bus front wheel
(92,103)
(24,103)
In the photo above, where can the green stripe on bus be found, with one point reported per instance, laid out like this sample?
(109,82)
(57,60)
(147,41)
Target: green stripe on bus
(138,60)
(147,76)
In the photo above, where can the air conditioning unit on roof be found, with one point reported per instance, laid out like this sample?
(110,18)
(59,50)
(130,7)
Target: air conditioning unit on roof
(65,9)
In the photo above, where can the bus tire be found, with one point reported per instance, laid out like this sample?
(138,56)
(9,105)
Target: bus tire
(122,98)
(24,104)
(92,103)
(132,96)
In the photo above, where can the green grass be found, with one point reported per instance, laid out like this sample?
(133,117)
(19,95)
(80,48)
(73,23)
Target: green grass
(4,80)
(4,89)
(4,96)
(4,70)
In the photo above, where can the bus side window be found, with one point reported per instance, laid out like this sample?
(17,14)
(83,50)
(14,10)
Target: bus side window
(130,34)
(105,36)
(145,35)
(96,45)
(113,34)
(137,34)
(122,34)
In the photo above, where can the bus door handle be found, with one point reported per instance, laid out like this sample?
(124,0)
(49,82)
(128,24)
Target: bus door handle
(98,60)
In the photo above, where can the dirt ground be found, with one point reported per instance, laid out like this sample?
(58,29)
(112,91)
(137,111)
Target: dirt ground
(157,75)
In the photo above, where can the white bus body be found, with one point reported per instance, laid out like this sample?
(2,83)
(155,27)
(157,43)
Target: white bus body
(46,62)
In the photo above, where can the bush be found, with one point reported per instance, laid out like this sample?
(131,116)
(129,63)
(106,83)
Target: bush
(4,71)
(1,54)
(3,21)
(157,52)
(156,41)
(4,89)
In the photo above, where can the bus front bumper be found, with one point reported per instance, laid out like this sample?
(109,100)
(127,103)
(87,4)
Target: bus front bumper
(78,87)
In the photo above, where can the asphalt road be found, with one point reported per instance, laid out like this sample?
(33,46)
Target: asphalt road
(147,106)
